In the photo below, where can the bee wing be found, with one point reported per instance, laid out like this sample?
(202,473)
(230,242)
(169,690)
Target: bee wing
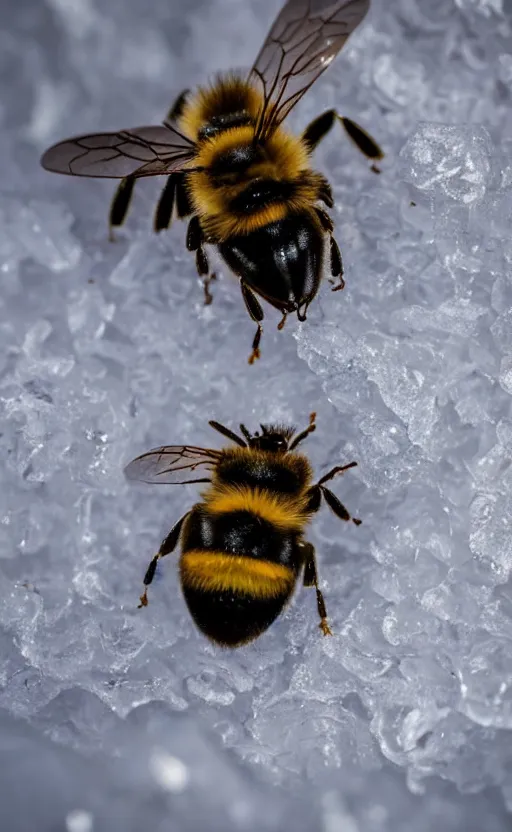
(304,39)
(143,151)
(176,464)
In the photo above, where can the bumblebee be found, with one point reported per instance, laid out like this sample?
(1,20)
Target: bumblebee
(244,180)
(242,546)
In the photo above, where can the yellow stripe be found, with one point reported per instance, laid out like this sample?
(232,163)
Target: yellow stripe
(286,513)
(217,571)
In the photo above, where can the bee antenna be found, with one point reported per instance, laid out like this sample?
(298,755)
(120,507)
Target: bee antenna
(263,429)
(245,433)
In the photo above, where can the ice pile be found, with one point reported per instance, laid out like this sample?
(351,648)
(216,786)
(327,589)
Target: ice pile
(116,719)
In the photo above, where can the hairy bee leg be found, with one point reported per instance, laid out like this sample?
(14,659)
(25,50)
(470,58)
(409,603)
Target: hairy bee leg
(318,129)
(227,433)
(167,546)
(302,435)
(319,491)
(165,206)
(120,205)
(183,204)
(194,236)
(254,309)
(325,220)
(123,195)
(311,579)
(325,193)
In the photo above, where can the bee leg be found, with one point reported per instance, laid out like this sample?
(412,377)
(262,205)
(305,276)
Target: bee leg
(165,205)
(254,309)
(282,321)
(123,196)
(310,428)
(339,469)
(325,220)
(311,579)
(195,239)
(337,506)
(183,204)
(319,491)
(208,297)
(166,547)
(336,261)
(318,129)
(120,205)
(325,193)
(336,266)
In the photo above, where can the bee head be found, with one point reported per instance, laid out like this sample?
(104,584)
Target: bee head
(273,438)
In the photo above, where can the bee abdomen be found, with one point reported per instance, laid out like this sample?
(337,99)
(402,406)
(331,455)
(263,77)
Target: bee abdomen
(217,571)
(232,618)
(233,598)
(281,261)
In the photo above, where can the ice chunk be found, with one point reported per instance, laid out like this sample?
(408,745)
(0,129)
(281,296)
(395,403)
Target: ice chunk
(452,160)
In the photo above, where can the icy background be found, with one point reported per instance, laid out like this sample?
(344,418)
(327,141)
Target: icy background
(114,719)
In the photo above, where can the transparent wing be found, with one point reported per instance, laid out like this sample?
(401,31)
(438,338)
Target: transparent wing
(305,37)
(143,151)
(176,464)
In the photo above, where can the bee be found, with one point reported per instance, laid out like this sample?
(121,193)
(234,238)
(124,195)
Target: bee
(242,545)
(245,181)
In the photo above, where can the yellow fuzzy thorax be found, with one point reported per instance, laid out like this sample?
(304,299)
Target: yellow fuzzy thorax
(209,101)
(286,154)
(210,571)
(283,511)
(286,159)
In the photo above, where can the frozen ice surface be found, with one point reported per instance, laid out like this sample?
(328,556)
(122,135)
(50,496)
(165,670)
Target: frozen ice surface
(116,719)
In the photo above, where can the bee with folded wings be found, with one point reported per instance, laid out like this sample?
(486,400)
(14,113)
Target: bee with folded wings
(242,546)
(244,180)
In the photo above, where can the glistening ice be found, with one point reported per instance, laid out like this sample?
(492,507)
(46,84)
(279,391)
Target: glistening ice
(121,719)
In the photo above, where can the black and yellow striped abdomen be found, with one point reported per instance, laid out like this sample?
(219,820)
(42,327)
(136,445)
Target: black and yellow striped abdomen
(240,555)
(240,560)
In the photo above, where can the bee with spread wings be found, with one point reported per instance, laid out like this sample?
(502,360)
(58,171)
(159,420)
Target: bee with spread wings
(245,181)
(242,546)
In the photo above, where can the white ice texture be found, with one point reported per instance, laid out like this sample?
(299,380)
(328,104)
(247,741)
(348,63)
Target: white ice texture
(114,719)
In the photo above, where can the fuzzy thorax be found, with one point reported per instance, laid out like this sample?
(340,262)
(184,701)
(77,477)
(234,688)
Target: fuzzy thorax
(282,159)
(284,512)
